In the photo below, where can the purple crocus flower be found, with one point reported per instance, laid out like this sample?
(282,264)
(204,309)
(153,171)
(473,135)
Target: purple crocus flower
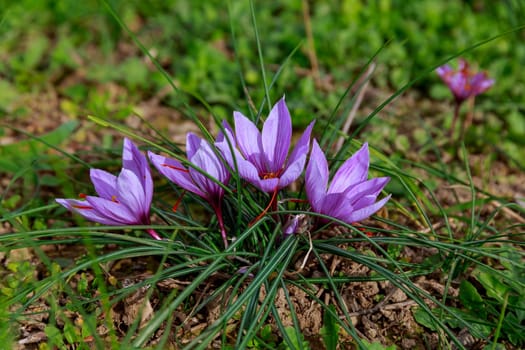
(202,156)
(463,82)
(350,196)
(262,157)
(124,199)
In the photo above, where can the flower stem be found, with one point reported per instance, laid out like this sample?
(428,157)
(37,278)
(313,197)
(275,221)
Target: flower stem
(153,234)
(457,106)
(218,212)
(469,117)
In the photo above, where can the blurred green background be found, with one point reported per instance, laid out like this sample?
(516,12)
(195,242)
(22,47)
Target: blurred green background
(74,47)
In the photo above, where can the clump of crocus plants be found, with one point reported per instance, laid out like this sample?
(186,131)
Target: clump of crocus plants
(464,84)
(261,159)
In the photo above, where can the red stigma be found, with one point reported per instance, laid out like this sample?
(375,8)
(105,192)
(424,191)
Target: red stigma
(82,207)
(176,168)
(271,204)
(362,229)
(177,203)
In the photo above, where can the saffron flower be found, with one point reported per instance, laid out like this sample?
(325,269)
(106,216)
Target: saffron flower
(262,157)
(122,200)
(463,82)
(202,157)
(350,196)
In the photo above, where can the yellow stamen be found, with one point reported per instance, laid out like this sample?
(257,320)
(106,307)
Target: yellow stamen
(272,175)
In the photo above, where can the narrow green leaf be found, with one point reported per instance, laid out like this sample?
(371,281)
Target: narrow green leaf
(330,329)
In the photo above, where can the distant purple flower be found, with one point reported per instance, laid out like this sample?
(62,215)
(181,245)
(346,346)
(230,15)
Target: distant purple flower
(350,196)
(262,157)
(463,82)
(295,224)
(201,155)
(291,226)
(124,199)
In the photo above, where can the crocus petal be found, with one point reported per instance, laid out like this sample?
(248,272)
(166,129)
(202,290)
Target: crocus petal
(292,172)
(207,162)
(458,83)
(193,143)
(480,83)
(136,161)
(337,206)
(364,201)
(363,213)
(371,187)
(105,183)
(247,171)
(249,141)
(444,71)
(175,172)
(303,144)
(131,194)
(223,142)
(353,170)
(316,177)
(220,171)
(267,185)
(276,136)
(210,162)
(86,210)
(236,161)
(228,128)
(69,204)
(297,159)
(133,159)
(484,86)
(148,189)
(116,212)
